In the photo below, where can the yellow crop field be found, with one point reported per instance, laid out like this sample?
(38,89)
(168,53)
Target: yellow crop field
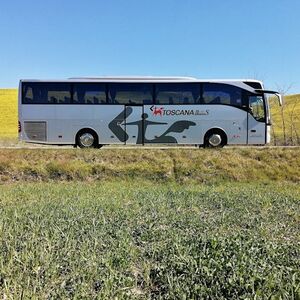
(9,114)
(291,113)
(286,119)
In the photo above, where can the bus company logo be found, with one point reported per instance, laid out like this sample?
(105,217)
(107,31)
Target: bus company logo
(160,111)
(157,110)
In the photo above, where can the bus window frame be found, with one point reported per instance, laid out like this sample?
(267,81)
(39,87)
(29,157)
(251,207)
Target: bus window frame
(154,95)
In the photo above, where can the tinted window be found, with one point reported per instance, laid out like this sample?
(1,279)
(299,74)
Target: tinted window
(46,93)
(177,93)
(216,93)
(257,107)
(85,93)
(130,93)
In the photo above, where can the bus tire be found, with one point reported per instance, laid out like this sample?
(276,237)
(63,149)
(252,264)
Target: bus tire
(87,138)
(215,138)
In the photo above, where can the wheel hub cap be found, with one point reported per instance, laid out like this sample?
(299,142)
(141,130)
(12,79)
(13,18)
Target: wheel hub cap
(87,139)
(215,140)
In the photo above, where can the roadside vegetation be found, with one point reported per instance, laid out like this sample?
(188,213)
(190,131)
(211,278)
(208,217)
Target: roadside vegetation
(173,165)
(148,240)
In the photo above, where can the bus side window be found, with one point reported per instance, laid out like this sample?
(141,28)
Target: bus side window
(215,93)
(58,93)
(130,93)
(177,93)
(89,93)
(46,93)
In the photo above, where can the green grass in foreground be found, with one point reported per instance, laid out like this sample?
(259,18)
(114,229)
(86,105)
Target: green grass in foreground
(149,240)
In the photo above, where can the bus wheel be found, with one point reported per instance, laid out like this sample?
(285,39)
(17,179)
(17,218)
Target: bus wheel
(87,138)
(215,139)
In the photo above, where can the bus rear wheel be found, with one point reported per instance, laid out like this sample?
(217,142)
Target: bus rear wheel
(215,139)
(87,138)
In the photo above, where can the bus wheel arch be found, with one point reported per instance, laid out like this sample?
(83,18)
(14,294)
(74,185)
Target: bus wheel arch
(215,138)
(87,138)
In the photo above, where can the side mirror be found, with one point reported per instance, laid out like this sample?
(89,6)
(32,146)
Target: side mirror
(280,98)
(278,95)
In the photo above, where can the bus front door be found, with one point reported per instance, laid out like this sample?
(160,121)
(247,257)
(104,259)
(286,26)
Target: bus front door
(256,121)
(134,125)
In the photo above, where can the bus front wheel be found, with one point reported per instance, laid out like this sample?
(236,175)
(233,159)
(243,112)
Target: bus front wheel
(87,138)
(215,138)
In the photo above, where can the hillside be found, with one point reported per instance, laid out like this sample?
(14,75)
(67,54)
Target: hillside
(291,112)
(9,113)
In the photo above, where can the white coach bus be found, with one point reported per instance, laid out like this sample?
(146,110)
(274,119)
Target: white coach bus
(91,112)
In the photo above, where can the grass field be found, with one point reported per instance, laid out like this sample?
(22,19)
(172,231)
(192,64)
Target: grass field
(147,240)
(150,224)
(291,112)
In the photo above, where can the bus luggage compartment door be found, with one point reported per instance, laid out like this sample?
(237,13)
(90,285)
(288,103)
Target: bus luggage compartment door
(134,125)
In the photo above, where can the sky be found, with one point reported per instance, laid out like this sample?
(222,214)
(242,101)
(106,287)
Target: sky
(207,39)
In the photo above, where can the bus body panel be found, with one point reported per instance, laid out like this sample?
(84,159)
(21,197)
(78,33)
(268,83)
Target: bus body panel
(134,125)
(256,131)
(194,121)
(64,121)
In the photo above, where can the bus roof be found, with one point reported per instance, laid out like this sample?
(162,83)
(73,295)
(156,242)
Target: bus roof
(137,78)
(141,79)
